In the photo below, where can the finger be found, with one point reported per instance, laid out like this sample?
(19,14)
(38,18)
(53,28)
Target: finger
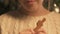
(41,33)
(42,30)
(29,31)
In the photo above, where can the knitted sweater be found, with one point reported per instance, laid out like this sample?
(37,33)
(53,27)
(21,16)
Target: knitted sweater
(10,24)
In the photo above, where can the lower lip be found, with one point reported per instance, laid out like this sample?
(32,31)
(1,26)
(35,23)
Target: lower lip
(30,2)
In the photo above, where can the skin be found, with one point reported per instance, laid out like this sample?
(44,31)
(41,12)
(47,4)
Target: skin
(35,9)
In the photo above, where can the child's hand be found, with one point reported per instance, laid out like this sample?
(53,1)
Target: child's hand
(40,31)
(28,31)
(31,31)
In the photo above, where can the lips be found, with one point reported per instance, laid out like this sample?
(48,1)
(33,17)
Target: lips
(30,1)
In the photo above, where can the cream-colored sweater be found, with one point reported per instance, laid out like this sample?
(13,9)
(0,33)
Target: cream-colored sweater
(14,25)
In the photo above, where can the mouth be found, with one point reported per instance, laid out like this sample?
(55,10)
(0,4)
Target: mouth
(30,1)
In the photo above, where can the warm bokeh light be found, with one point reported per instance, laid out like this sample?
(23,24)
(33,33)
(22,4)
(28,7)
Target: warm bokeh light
(56,8)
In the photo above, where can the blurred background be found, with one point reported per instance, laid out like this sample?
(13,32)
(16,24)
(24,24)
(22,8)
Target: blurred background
(8,5)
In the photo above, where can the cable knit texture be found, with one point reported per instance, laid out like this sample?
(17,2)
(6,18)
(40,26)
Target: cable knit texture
(13,25)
